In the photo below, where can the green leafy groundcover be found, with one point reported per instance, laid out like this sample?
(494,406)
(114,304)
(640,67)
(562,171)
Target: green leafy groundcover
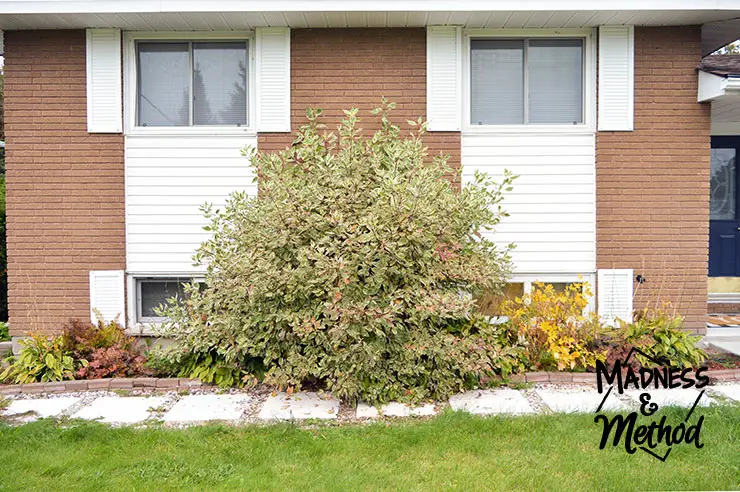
(355,270)
(453,451)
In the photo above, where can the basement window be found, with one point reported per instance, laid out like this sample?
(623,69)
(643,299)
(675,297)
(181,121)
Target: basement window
(152,293)
(192,83)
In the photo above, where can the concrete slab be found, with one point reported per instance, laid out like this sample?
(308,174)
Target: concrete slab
(299,406)
(202,408)
(679,397)
(394,409)
(42,407)
(492,402)
(585,400)
(366,411)
(731,391)
(120,410)
(731,345)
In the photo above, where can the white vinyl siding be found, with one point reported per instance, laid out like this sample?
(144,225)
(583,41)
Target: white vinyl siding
(273,79)
(444,78)
(167,179)
(104,100)
(552,206)
(616,78)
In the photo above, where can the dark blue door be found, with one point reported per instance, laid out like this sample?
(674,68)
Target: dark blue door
(724,240)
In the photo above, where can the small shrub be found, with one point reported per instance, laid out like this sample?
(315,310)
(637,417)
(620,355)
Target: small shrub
(162,363)
(42,359)
(211,369)
(4,332)
(354,270)
(82,338)
(659,334)
(106,348)
(113,362)
(558,330)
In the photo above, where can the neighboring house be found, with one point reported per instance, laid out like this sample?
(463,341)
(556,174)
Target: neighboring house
(122,117)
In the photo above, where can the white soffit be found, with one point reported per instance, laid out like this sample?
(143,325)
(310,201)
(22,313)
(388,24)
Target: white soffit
(227,15)
(718,34)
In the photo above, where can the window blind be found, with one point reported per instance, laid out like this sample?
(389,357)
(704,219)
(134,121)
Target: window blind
(526,81)
(497,92)
(555,80)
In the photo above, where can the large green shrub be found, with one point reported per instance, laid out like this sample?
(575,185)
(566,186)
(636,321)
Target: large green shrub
(353,270)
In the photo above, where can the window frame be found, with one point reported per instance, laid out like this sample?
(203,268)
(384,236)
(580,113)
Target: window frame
(130,86)
(135,325)
(589,80)
(139,317)
(553,278)
(559,278)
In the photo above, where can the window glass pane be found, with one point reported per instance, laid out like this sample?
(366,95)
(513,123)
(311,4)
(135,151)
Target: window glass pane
(497,81)
(722,185)
(558,286)
(490,305)
(555,81)
(156,292)
(220,83)
(164,84)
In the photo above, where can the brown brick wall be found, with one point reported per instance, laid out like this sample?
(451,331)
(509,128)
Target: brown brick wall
(65,195)
(337,69)
(652,184)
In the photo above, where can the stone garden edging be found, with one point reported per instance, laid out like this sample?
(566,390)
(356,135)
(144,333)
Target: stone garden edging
(165,384)
(175,384)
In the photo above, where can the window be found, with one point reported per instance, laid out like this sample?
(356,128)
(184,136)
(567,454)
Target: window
(489,305)
(154,292)
(722,184)
(526,81)
(188,83)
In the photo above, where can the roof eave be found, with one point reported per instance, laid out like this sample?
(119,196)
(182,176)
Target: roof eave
(713,86)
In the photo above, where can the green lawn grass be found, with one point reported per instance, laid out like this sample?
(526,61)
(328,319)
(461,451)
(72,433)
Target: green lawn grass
(452,451)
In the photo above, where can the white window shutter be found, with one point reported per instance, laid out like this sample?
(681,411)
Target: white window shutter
(614,289)
(616,78)
(273,79)
(107,295)
(104,81)
(444,78)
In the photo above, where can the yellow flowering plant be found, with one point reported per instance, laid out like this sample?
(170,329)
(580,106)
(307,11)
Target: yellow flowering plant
(557,326)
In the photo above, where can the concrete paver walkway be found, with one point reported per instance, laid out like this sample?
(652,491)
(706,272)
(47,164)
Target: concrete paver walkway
(120,410)
(578,400)
(173,408)
(491,402)
(299,406)
(41,407)
(202,408)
